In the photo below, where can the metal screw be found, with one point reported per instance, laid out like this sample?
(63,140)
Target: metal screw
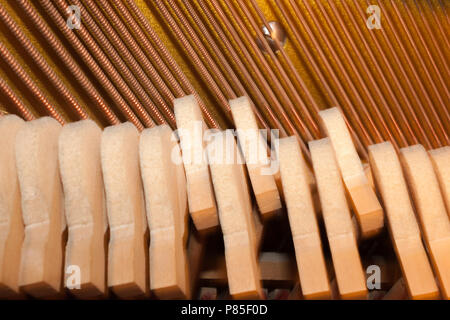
(277,32)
